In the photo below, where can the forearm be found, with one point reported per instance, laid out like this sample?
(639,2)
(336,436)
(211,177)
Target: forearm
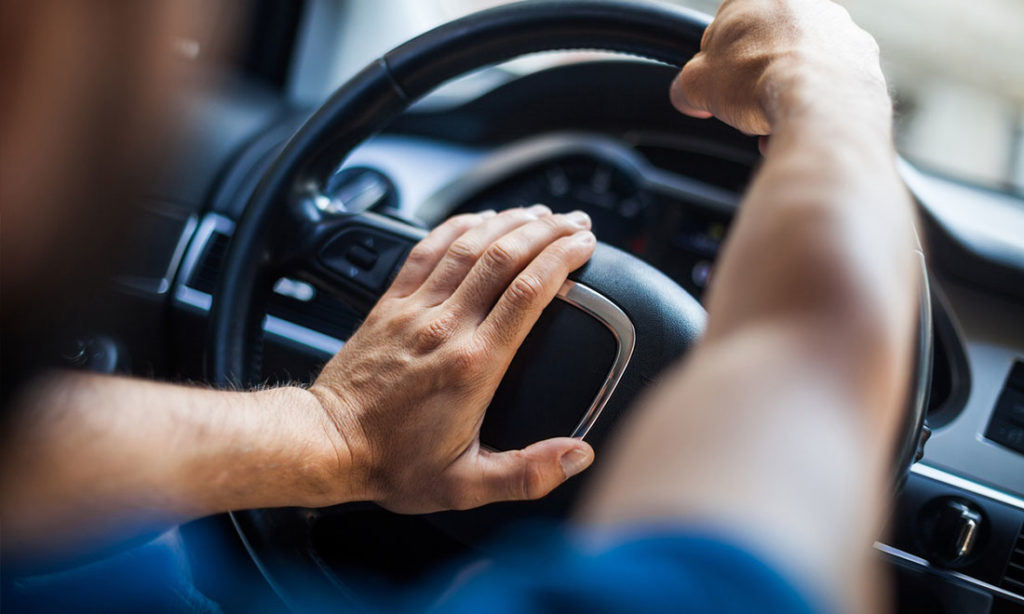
(779,428)
(824,240)
(93,459)
(743,440)
(393,418)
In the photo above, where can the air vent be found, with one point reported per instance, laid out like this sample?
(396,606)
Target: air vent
(1013,578)
(1006,426)
(321,311)
(207,273)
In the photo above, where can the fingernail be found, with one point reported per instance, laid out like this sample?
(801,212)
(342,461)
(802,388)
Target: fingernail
(585,237)
(539,210)
(574,461)
(488,213)
(579,218)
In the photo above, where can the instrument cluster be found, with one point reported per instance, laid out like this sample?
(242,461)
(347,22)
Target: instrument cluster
(672,222)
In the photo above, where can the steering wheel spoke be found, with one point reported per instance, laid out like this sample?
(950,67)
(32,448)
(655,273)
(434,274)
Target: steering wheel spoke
(355,257)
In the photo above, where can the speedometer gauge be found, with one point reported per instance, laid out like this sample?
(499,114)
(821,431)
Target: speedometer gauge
(611,196)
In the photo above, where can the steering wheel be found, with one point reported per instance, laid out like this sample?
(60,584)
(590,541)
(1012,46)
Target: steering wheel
(619,321)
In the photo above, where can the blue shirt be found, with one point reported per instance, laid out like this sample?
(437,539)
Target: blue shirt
(661,571)
(550,570)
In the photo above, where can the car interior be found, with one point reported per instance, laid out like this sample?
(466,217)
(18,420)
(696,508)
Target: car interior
(287,213)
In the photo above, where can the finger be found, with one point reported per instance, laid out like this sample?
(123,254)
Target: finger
(463,253)
(762,145)
(687,89)
(507,257)
(521,304)
(524,474)
(428,252)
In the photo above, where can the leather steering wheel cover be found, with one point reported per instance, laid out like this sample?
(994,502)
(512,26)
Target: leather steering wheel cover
(657,32)
(385,88)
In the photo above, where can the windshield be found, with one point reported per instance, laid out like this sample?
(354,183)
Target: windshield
(956,70)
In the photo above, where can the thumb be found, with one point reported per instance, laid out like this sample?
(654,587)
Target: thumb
(534,471)
(688,89)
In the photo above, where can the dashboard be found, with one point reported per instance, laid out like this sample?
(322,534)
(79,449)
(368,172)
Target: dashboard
(665,188)
(674,223)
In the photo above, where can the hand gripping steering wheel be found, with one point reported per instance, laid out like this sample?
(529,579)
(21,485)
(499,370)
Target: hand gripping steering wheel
(620,320)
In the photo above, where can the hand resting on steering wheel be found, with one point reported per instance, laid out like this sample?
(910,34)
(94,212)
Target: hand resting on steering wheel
(393,418)
(408,392)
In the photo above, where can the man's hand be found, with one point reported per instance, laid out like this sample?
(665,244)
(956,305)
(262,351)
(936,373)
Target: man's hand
(407,393)
(760,59)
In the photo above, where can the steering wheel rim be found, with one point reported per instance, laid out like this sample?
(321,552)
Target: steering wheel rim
(384,89)
(360,108)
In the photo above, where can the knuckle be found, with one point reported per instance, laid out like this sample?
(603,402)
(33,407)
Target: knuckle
(520,213)
(524,216)
(563,250)
(705,38)
(555,222)
(464,220)
(398,317)
(377,316)
(532,485)
(458,223)
(463,252)
(692,71)
(501,255)
(421,255)
(466,361)
(435,333)
(525,290)
(689,86)
(388,314)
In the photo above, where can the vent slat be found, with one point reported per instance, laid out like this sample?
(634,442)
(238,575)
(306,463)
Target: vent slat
(324,313)
(1013,575)
(207,273)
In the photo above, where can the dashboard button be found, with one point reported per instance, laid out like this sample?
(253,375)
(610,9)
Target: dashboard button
(362,257)
(366,257)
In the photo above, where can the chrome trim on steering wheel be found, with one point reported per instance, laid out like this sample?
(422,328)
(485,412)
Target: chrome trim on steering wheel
(608,313)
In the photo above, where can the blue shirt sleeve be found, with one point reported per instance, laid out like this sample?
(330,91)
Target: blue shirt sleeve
(666,571)
(536,570)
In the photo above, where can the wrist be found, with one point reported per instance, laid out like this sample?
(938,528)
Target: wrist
(294,453)
(268,448)
(341,461)
(798,88)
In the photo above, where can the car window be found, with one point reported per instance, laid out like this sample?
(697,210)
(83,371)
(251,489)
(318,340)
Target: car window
(957,75)
(955,68)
